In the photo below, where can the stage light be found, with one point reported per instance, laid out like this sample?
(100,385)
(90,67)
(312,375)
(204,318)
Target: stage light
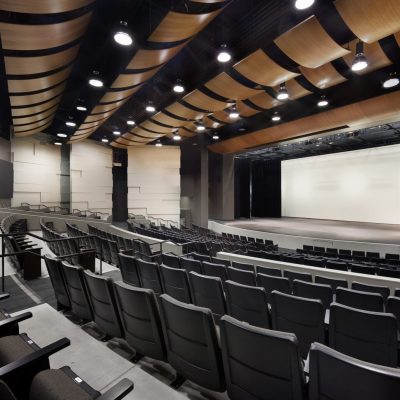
(130,122)
(177,137)
(58,143)
(62,135)
(158,144)
(104,140)
(391,81)
(360,62)
(322,102)
(95,81)
(224,56)
(116,133)
(200,128)
(150,108)
(70,123)
(215,137)
(303,4)
(276,117)
(81,108)
(233,113)
(178,87)
(282,93)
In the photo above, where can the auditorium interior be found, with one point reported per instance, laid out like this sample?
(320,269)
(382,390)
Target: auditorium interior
(200,199)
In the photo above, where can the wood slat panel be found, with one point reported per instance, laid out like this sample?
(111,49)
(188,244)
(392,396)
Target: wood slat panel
(29,110)
(209,123)
(179,26)
(32,85)
(125,142)
(100,108)
(100,117)
(144,140)
(375,55)
(33,131)
(120,95)
(36,37)
(34,125)
(245,111)
(154,127)
(295,90)
(144,59)
(167,120)
(222,116)
(370,20)
(38,65)
(35,118)
(146,134)
(227,87)
(118,145)
(127,80)
(42,6)
(183,112)
(309,45)
(204,102)
(90,125)
(264,100)
(260,68)
(323,77)
(38,97)
(374,110)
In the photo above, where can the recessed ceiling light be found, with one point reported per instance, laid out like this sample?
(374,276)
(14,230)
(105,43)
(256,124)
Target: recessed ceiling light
(201,128)
(224,56)
(215,137)
(130,122)
(323,102)
(234,114)
(62,135)
(58,143)
(391,81)
(177,137)
(81,108)
(70,123)
(303,4)
(276,117)
(178,87)
(158,144)
(104,140)
(95,82)
(360,62)
(282,93)
(150,108)
(116,133)
(122,37)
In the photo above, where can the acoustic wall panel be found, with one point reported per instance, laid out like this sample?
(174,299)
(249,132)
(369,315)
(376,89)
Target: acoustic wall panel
(362,185)
(36,172)
(91,177)
(154,182)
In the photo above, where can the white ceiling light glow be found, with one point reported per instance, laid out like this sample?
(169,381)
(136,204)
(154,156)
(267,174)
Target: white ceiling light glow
(116,133)
(360,62)
(122,37)
(81,108)
(130,122)
(392,81)
(62,135)
(104,140)
(276,117)
(150,108)
(322,102)
(224,56)
(282,93)
(303,4)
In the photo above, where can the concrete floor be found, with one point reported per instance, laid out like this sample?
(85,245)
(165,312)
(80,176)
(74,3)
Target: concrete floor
(323,229)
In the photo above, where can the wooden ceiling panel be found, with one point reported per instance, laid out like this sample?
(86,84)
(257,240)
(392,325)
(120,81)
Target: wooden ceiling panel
(227,87)
(222,116)
(200,100)
(33,125)
(101,108)
(36,84)
(323,77)
(295,90)
(184,112)
(264,100)
(260,68)
(119,95)
(309,45)
(38,65)
(146,134)
(370,20)
(95,118)
(42,6)
(154,127)
(245,111)
(209,123)
(34,130)
(167,120)
(38,108)
(31,37)
(127,80)
(35,118)
(37,97)
(180,26)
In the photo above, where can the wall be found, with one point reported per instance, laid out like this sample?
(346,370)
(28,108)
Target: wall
(5,156)
(91,177)
(154,182)
(36,172)
(362,185)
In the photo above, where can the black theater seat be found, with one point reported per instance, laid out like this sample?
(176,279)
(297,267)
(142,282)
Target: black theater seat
(361,300)
(216,260)
(190,264)
(332,282)
(192,344)
(271,283)
(129,270)
(241,276)
(150,276)
(218,270)
(362,268)
(269,366)
(313,291)
(362,287)
(300,276)
(175,283)
(268,271)
(248,304)
(338,265)
(243,266)
(353,378)
(170,260)
(393,307)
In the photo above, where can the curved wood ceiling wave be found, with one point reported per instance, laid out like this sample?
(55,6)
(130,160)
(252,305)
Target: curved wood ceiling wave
(175,27)
(36,72)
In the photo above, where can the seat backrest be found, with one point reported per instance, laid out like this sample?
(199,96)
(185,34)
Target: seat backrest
(373,381)
(397,292)
(207,292)
(190,264)
(361,300)
(368,336)
(150,276)
(332,282)
(218,270)
(201,257)
(192,343)
(268,366)
(54,269)
(313,291)
(260,269)
(300,276)
(393,307)
(338,265)
(104,306)
(216,260)
(141,320)
(248,304)
(129,270)
(80,304)
(303,317)
(362,287)
(271,283)
(170,260)
(389,272)
(243,266)
(5,392)
(175,283)
(241,276)
(362,269)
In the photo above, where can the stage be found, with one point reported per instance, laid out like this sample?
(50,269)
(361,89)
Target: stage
(292,233)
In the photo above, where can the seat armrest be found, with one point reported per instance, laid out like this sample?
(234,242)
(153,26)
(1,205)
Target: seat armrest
(118,391)
(6,323)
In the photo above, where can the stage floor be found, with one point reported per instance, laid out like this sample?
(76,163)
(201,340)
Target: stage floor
(323,229)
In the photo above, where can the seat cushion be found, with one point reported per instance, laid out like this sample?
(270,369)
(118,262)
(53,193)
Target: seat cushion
(54,384)
(12,348)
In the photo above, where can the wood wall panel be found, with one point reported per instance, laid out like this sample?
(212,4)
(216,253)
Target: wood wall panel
(245,111)
(264,100)
(42,6)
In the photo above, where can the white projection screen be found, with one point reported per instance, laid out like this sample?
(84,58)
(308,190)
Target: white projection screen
(361,185)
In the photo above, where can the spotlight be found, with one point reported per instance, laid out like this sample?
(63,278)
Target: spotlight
(150,108)
(58,143)
(62,135)
(95,81)
(215,124)
(391,81)
(178,87)
(323,102)
(122,37)
(201,128)
(276,117)
(116,133)
(104,140)
(177,137)
(158,144)
(282,93)
(130,122)
(215,137)
(233,113)
(70,123)
(81,108)
(360,62)
(303,4)
(224,56)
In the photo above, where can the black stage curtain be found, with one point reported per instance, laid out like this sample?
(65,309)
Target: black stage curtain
(266,189)
(242,188)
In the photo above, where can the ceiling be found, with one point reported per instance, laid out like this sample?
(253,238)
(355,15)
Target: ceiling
(50,50)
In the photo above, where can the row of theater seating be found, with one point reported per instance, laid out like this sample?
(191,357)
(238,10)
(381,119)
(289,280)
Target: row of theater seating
(26,263)
(248,361)
(25,372)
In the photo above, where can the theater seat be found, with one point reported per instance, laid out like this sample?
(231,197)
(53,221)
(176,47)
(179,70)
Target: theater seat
(301,276)
(129,270)
(170,260)
(268,271)
(248,304)
(369,336)
(313,291)
(150,276)
(271,283)
(353,378)
(362,287)
(268,366)
(303,317)
(393,307)
(192,343)
(332,282)
(241,276)
(191,265)
(243,266)
(175,283)
(337,265)
(218,270)
(216,260)
(361,300)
